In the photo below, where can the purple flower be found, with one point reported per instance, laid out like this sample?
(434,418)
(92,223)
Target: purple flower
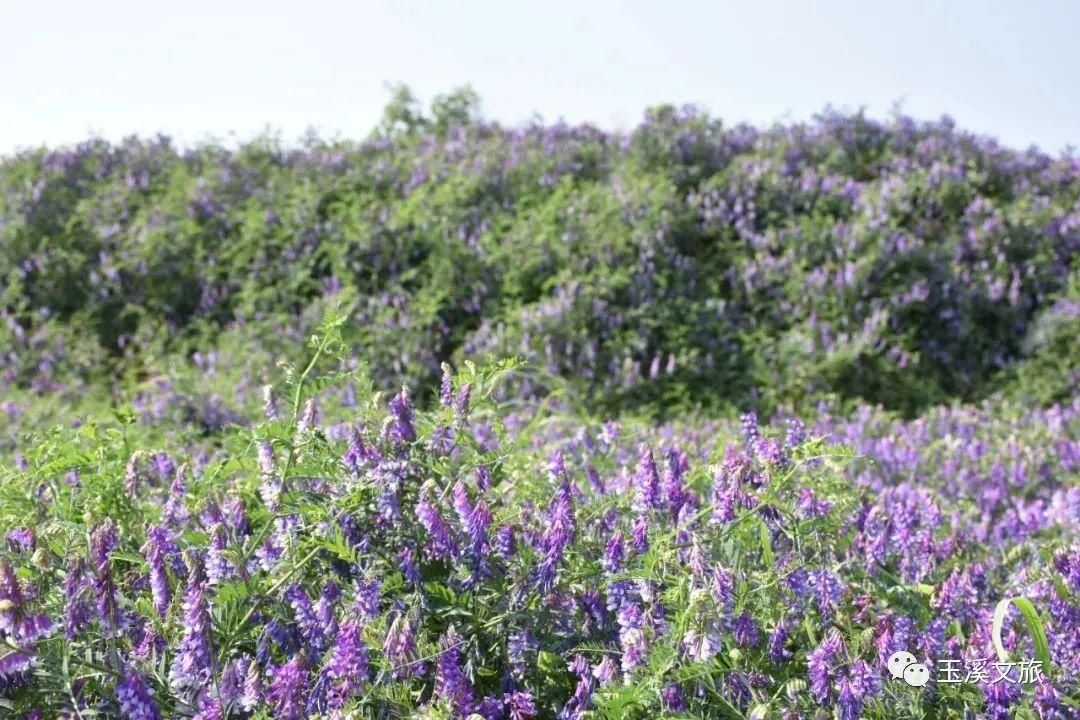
(270,486)
(164,466)
(461,403)
(557,536)
(827,591)
(520,705)
(519,649)
(1000,697)
(702,643)
(671,696)
(778,638)
(269,410)
(674,489)
(723,590)
(102,543)
(21,539)
(358,455)
(958,594)
(287,693)
(309,417)
(475,519)
(150,645)
(796,434)
(400,427)
(131,472)
(21,627)
(810,506)
(579,702)
(606,671)
(745,630)
(192,666)
(326,606)
(307,622)
(14,666)
(1047,701)
(78,612)
(209,707)
(446,387)
(135,700)
(504,543)
(639,535)
(347,668)
(11,597)
(441,544)
(399,647)
(750,428)
(156,549)
(614,552)
(368,592)
(855,685)
(175,515)
(632,637)
(820,663)
(451,685)
(218,566)
(251,694)
(407,561)
(646,481)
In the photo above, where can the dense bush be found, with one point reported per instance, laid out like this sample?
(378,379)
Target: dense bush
(684,263)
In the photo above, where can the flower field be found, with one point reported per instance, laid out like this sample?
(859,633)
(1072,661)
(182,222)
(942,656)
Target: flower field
(465,421)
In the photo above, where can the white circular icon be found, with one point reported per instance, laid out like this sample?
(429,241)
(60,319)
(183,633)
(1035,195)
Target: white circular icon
(916,675)
(899,661)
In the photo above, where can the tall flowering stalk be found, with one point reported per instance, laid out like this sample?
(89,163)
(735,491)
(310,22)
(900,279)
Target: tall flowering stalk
(451,685)
(78,608)
(557,536)
(193,664)
(156,549)
(103,541)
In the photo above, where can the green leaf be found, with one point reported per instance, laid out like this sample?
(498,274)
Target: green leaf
(766,544)
(1034,623)
(550,663)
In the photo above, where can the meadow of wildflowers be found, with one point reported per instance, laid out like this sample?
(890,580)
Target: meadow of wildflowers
(466,421)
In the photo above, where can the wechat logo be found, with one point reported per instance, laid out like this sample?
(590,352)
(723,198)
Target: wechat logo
(902,665)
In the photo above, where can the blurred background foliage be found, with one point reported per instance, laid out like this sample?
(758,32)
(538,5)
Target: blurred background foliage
(684,264)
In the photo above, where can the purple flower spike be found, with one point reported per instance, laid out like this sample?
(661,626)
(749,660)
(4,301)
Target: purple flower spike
(288,690)
(135,699)
(819,665)
(520,705)
(446,386)
(156,549)
(401,412)
(78,611)
(441,544)
(103,541)
(193,665)
(347,668)
(646,481)
(451,685)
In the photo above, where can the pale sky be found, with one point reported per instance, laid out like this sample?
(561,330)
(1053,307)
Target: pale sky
(196,69)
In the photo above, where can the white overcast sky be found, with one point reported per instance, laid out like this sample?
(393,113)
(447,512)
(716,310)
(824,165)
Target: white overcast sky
(197,69)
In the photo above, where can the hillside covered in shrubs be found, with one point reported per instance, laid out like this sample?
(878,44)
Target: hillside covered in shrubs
(684,263)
